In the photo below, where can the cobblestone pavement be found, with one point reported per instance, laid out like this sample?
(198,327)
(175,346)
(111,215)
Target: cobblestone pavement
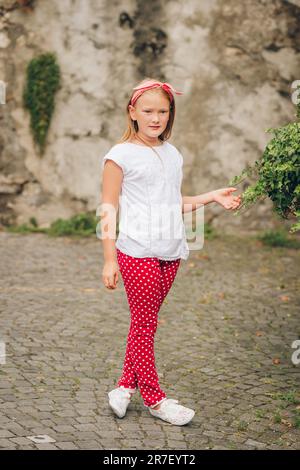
(223,347)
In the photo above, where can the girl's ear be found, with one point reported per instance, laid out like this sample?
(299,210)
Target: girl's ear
(131,110)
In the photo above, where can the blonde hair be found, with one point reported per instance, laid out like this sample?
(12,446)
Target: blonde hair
(132,126)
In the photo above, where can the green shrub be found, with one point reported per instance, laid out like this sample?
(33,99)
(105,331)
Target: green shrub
(298,103)
(42,82)
(290,396)
(242,425)
(83,224)
(297,422)
(210,232)
(277,417)
(277,174)
(278,238)
(30,227)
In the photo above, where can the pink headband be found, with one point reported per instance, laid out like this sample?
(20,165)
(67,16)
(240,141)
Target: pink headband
(149,85)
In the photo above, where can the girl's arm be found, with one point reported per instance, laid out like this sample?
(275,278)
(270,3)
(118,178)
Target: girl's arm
(222,196)
(112,177)
(191,203)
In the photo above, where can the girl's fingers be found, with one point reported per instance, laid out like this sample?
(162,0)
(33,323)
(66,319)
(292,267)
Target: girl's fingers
(111,282)
(107,283)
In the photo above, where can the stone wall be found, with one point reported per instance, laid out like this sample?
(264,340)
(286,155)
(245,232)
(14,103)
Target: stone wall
(234,61)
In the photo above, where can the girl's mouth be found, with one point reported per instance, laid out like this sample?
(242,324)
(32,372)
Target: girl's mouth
(155,127)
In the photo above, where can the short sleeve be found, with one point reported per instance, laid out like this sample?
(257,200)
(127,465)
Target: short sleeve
(180,158)
(117,156)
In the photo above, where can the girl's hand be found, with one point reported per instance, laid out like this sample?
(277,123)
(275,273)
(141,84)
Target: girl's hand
(225,198)
(110,274)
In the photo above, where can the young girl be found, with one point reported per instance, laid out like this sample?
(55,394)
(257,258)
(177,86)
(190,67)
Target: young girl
(144,172)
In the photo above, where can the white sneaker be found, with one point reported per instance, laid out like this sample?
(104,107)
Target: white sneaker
(119,399)
(172,413)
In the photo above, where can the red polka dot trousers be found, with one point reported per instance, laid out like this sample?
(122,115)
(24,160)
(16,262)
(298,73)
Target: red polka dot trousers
(147,282)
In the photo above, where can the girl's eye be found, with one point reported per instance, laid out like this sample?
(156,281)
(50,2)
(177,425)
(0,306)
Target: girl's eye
(150,111)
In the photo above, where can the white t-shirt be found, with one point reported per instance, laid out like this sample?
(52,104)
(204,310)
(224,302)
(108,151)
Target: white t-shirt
(150,204)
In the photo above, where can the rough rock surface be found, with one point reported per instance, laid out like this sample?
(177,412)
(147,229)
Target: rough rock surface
(235,62)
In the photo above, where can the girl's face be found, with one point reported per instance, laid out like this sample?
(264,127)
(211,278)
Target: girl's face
(152,112)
